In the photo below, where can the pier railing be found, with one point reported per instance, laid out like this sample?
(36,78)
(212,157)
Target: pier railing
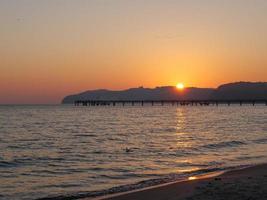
(168,102)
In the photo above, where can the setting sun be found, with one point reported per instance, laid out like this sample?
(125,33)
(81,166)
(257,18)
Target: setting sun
(180,86)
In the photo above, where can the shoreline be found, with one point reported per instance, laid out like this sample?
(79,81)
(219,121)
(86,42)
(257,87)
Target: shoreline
(241,181)
(201,176)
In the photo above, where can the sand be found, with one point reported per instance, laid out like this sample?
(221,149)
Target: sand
(243,184)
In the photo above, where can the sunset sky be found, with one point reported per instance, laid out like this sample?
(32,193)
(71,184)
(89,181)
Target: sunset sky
(52,48)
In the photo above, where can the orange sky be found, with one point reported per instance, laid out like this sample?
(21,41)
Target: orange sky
(53,48)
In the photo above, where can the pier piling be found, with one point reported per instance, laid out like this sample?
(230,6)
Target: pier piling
(170,102)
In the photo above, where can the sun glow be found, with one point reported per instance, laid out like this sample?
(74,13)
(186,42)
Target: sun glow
(180,86)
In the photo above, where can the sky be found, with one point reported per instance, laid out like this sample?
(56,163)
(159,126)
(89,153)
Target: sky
(52,48)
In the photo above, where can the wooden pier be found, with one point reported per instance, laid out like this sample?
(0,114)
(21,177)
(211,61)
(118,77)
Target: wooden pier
(169,102)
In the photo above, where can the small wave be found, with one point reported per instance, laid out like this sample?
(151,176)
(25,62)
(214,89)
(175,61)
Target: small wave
(96,168)
(7,164)
(98,152)
(14,147)
(66,185)
(260,141)
(50,159)
(230,144)
(127,175)
(248,157)
(85,135)
(169,130)
(18,147)
(50,172)
(125,188)
(29,140)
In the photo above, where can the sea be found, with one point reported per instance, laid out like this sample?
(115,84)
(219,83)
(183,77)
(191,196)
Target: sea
(70,152)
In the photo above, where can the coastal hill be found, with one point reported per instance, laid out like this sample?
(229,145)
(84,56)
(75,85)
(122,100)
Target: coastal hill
(230,91)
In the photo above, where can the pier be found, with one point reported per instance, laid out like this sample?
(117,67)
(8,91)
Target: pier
(168,102)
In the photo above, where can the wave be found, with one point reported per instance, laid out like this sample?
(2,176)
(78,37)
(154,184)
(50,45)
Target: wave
(230,144)
(168,178)
(8,164)
(85,135)
(19,162)
(260,141)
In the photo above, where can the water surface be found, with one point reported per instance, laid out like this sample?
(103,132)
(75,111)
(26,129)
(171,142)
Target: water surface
(61,150)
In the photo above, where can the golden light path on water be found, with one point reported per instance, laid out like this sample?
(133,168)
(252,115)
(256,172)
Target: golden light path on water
(181,123)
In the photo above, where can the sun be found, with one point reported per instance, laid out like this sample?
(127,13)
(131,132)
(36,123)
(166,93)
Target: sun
(180,86)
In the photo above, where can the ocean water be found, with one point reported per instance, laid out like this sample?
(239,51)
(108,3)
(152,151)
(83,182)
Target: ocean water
(50,151)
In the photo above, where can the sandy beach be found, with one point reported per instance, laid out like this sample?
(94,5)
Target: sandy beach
(242,184)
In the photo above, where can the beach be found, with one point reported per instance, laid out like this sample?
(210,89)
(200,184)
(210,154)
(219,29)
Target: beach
(243,184)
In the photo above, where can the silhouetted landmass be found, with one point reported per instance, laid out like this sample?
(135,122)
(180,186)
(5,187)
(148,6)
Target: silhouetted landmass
(230,91)
(241,90)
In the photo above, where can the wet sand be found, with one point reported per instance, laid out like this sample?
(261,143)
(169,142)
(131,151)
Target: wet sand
(243,184)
